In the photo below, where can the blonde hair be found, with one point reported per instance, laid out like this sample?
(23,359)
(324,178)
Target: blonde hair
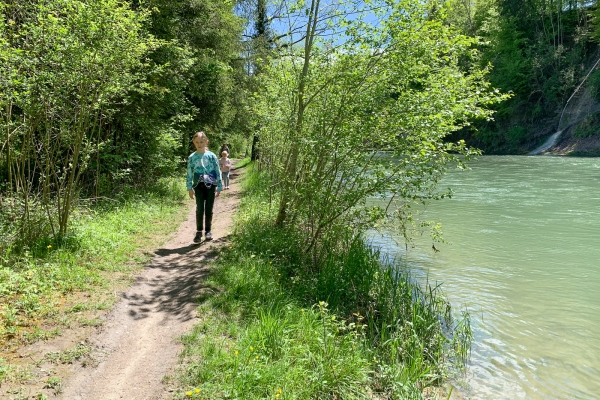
(225,152)
(200,134)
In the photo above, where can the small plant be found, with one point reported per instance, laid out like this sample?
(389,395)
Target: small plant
(54,382)
(80,352)
(4,370)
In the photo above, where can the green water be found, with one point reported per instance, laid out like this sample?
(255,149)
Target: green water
(524,257)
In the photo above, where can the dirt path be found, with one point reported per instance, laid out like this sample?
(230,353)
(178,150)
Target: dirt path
(138,344)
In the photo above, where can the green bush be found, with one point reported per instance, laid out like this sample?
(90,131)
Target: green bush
(354,328)
(588,127)
(34,275)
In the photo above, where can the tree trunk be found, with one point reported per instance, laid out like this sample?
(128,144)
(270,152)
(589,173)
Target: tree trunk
(291,168)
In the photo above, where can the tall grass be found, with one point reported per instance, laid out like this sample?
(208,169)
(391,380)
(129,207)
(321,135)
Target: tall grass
(40,280)
(353,328)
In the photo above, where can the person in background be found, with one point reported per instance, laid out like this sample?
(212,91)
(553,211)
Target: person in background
(225,165)
(224,148)
(203,180)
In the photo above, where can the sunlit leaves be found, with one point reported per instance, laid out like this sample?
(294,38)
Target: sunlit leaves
(74,60)
(376,108)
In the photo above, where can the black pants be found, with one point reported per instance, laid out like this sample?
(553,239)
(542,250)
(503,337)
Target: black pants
(205,198)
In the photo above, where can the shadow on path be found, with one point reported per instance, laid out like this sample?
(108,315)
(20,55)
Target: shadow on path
(172,285)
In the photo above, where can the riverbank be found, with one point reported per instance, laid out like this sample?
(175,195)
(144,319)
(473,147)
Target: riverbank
(577,147)
(569,145)
(267,325)
(273,327)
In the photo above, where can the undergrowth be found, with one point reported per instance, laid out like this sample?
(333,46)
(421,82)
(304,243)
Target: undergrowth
(275,327)
(45,284)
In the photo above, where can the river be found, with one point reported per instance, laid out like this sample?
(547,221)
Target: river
(524,258)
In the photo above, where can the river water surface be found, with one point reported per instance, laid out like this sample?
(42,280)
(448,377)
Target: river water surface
(524,258)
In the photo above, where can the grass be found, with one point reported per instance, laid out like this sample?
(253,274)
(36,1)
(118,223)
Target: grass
(81,351)
(50,286)
(274,328)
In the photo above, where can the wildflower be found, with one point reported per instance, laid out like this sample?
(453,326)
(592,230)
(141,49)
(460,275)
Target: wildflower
(256,357)
(333,318)
(251,348)
(277,396)
(49,246)
(237,352)
(270,262)
(278,274)
(279,391)
(302,310)
(189,394)
(197,390)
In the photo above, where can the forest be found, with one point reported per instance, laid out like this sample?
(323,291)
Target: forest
(541,51)
(99,95)
(352,112)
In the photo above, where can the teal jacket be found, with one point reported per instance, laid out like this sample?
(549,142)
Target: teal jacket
(205,163)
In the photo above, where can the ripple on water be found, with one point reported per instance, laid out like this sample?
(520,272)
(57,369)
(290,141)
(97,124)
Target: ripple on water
(523,255)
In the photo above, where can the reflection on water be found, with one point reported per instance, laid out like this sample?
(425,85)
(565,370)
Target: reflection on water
(524,257)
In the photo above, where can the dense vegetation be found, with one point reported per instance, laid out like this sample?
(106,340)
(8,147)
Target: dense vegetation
(98,94)
(541,50)
(101,94)
(355,110)
(272,328)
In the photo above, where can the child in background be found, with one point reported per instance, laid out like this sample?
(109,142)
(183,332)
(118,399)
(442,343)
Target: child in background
(224,148)
(203,178)
(225,165)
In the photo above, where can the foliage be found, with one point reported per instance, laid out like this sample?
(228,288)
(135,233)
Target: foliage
(355,330)
(98,95)
(366,119)
(72,60)
(588,127)
(193,80)
(35,285)
(540,51)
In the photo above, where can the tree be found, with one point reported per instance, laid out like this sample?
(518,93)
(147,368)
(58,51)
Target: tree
(71,61)
(329,109)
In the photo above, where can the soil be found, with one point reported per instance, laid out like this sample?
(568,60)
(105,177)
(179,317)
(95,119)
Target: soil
(572,146)
(569,145)
(137,347)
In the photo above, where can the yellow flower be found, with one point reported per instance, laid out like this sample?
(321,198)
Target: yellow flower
(197,390)
(333,318)
(237,352)
(189,394)
(256,357)
(278,274)
(277,396)
(251,348)
(49,246)
(279,391)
